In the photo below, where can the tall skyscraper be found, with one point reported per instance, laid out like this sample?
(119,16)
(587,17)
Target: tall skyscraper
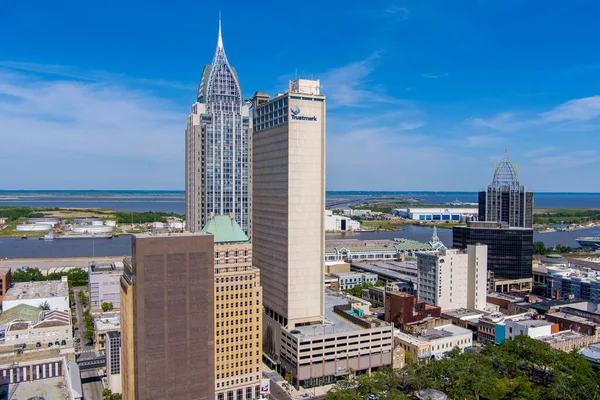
(505,199)
(510,252)
(288,198)
(216,147)
(168,318)
(238,312)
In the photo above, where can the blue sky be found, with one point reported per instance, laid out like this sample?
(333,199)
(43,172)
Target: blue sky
(422,95)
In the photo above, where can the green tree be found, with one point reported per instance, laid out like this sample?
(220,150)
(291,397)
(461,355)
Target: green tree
(289,379)
(44,306)
(539,248)
(28,275)
(522,368)
(106,306)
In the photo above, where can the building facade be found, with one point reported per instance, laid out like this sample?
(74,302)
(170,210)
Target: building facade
(113,361)
(104,286)
(351,341)
(505,199)
(217,147)
(453,278)
(5,281)
(168,318)
(347,280)
(288,194)
(238,312)
(402,309)
(510,249)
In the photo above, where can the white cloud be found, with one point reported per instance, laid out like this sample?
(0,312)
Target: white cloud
(409,126)
(56,122)
(75,73)
(539,151)
(402,12)
(482,140)
(583,109)
(349,86)
(570,112)
(433,75)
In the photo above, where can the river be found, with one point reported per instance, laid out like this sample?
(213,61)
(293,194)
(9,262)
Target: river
(121,246)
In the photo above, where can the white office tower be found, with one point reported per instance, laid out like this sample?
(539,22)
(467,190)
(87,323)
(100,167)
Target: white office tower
(288,194)
(453,278)
(216,150)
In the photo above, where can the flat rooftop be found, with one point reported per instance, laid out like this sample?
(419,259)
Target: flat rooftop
(333,322)
(533,323)
(574,318)
(396,270)
(504,296)
(561,337)
(440,332)
(352,273)
(464,313)
(169,234)
(37,290)
(49,388)
(445,332)
(107,321)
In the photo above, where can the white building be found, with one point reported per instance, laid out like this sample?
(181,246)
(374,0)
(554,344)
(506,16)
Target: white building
(453,278)
(104,285)
(437,214)
(435,342)
(53,293)
(288,201)
(533,328)
(347,280)
(339,223)
(445,338)
(349,212)
(25,324)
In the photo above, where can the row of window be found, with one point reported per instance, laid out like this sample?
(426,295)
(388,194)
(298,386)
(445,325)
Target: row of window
(239,394)
(237,356)
(237,373)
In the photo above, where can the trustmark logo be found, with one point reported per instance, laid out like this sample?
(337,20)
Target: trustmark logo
(295,111)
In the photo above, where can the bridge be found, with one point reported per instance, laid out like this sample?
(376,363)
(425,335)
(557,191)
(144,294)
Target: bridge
(91,361)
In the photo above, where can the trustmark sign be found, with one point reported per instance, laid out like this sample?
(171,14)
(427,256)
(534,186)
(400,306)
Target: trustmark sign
(296,110)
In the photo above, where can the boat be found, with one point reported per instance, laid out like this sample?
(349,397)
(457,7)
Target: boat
(48,236)
(589,242)
(86,236)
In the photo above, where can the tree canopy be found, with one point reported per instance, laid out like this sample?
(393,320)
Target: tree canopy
(522,368)
(75,276)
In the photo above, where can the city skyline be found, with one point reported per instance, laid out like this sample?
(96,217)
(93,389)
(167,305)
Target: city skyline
(426,88)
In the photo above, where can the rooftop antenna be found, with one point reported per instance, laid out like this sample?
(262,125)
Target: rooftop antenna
(296,73)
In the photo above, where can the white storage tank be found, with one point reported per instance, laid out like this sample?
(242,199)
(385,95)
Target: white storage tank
(33,227)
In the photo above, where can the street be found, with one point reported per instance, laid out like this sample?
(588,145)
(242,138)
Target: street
(83,343)
(92,385)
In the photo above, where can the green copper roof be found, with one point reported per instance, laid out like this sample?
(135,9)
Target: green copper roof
(225,229)
(22,312)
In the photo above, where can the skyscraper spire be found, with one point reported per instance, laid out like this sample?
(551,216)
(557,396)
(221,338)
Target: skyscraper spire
(220,57)
(434,237)
(220,41)
(505,147)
